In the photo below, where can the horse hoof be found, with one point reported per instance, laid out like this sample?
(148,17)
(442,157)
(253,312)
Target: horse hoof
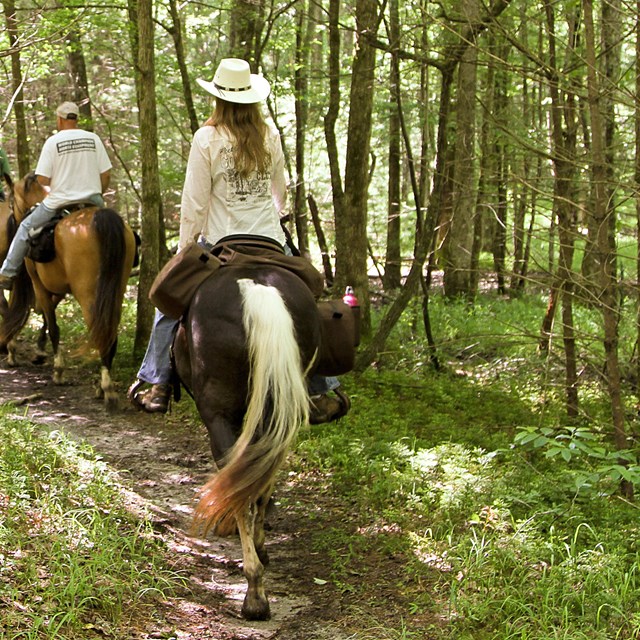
(111,402)
(257,610)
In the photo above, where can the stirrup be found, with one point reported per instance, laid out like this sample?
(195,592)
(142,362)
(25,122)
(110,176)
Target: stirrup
(326,409)
(153,400)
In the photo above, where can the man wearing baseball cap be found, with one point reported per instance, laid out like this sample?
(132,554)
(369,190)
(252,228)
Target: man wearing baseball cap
(73,167)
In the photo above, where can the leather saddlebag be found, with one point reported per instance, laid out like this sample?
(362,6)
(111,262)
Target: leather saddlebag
(338,338)
(175,285)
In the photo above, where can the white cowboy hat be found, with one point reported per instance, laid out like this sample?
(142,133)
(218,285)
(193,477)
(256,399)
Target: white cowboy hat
(234,82)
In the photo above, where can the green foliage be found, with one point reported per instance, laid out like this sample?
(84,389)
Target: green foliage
(594,468)
(76,558)
(498,520)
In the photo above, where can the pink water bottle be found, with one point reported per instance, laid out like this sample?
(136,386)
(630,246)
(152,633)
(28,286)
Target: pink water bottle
(350,299)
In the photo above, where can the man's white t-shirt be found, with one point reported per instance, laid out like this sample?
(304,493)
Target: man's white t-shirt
(73,160)
(218,202)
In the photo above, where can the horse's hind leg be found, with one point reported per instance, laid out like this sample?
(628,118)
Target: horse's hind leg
(259,536)
(107,389)
(256,605)
(41,344)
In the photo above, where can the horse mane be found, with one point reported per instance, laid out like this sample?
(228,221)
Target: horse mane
(29,179)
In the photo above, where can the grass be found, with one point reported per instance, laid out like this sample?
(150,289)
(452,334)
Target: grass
(76,559)
(483,535)
(465,505)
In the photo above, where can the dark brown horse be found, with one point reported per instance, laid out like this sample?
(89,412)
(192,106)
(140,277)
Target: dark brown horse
(95,251)
(244,352)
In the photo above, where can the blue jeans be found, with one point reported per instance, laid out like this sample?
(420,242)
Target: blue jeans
(20,245)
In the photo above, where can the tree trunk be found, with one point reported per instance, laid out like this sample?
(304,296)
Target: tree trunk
(22,141)
(178,44)
(563,136)
(247,20)
(612,49)
(392,265)
(456,254)
(606,257)
(637,199)
(351,228)
(322,242)
(152,227)
(499,240)
(79,80)
(304,34)
(333,111)
(486,170)
(520,208)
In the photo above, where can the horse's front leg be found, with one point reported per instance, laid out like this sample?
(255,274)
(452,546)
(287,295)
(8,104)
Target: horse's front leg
(256,605)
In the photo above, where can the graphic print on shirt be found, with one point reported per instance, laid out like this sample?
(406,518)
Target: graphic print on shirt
(75,145)
(240,189)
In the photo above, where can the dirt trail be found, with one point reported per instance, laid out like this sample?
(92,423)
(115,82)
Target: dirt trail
(164,460)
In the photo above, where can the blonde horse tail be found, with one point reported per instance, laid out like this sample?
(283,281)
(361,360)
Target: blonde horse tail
(109,228)
(278,405)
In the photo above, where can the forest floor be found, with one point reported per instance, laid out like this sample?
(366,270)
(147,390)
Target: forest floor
(163,460)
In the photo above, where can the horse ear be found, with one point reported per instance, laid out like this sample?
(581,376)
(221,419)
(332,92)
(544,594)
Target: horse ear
(9,181)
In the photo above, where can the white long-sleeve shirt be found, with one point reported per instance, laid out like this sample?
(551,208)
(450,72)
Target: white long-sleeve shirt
(217,202)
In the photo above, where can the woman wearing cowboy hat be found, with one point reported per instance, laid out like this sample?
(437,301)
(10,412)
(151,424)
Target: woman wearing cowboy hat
(235,184)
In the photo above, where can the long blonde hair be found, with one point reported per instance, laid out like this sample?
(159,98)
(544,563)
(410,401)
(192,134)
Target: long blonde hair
(249,130)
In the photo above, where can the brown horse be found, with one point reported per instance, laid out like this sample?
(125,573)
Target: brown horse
(8,227)
(244,351)
(95,251)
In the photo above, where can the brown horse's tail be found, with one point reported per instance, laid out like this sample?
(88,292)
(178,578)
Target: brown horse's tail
(278,405)
(20,302)
(109,228)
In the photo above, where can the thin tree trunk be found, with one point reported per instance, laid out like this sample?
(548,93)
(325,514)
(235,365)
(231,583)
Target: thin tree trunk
(563,136)
(322,242)
(333,110)
(392,270)
(304,34)
(486,169)
(22,141)
(152,227)
(606,257)
(499,243)
(176,32)
(79,80)
(637,199)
